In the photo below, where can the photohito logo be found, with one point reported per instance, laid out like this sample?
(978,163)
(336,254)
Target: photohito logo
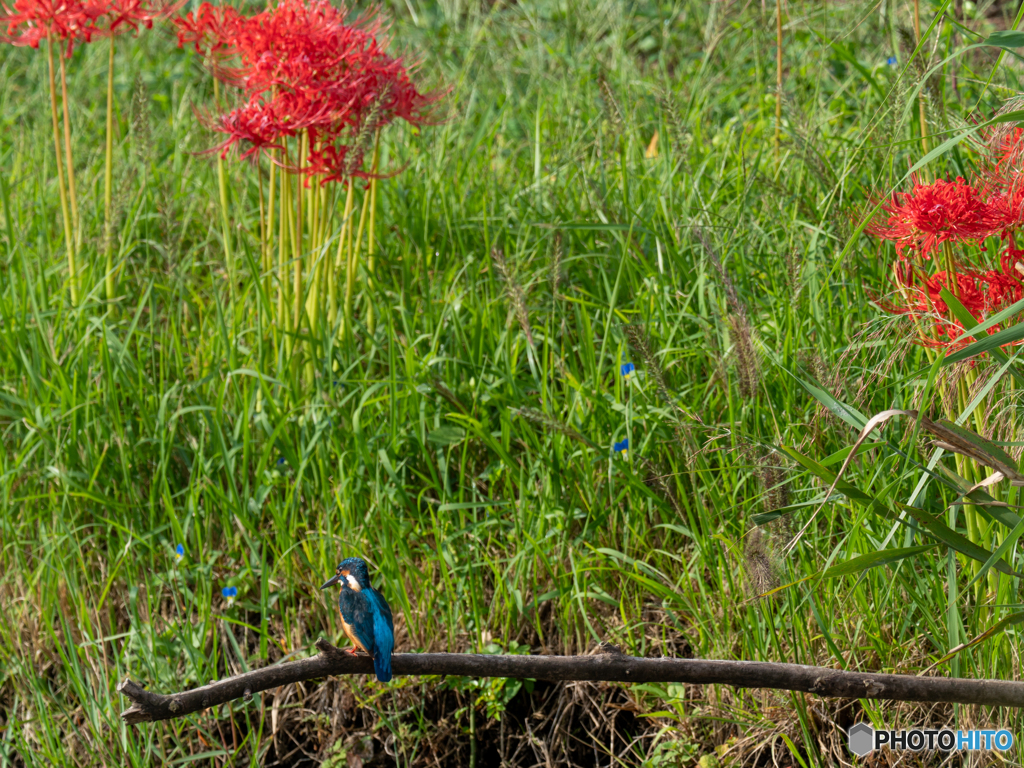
(864,739)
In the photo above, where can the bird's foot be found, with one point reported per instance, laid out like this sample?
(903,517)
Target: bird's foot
(353,651)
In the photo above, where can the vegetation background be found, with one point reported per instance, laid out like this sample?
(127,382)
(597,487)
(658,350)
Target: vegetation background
(606,189)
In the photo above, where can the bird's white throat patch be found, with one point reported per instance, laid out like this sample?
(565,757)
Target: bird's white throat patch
(353,583)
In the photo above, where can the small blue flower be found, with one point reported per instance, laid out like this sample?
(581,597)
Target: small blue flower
(622,446)
(627,370)
(179,553)
(891,61)
(280,461)
(230,593)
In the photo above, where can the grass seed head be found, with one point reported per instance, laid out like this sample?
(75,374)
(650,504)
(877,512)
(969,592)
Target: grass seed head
(748,361)
(611,105)
(140,130)
(640,344)
(762,566)
(673,114)
(514,291)
(556,265)
(550,423)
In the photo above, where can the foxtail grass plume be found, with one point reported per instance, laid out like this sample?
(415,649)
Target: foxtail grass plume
(611,104)
(762,566)
(748,362)
(516,295)
(640,344)
(680,136)
(556,266)
(794,268)
(654,479)
(551,423)
(774,488)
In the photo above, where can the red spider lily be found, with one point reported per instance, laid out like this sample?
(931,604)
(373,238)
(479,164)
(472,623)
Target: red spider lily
(210,29)
(303,69)
(1012,258)
(932,214)
(124,14)
(1007,146)
(1007,200)
(1001,180)
(29,22)
(981,293)
(255,124)
(1003,289)
(328,163)
(261,125)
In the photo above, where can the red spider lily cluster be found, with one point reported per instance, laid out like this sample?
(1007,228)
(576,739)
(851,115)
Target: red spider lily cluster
(303,71)
(947,223)
(29,22)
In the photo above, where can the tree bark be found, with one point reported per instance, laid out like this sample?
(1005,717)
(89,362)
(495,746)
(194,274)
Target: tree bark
(608,663)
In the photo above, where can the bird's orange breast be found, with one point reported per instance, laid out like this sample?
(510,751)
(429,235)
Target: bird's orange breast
(350,632)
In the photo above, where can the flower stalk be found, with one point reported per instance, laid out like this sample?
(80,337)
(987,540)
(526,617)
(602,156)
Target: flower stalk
(76,224)
(225,215)
(778,79)
(371,240)
(108,183)
(69,238)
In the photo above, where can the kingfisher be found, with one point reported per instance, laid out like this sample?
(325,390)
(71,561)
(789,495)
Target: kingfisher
(365,615)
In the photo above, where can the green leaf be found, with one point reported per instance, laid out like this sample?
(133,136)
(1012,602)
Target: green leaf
(1001,550)
(471,505)
(1007,39)
(958,542)
(847,413)
(842,486)
(985,342)
(996,340)
(446,435)
(873,559)
(1016,308)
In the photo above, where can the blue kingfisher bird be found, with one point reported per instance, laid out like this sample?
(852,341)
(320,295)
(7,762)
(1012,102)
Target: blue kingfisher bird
(365,615)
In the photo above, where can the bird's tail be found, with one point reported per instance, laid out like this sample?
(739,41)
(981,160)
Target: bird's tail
(382,666)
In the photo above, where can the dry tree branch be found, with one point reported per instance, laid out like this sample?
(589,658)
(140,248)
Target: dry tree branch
(607,664)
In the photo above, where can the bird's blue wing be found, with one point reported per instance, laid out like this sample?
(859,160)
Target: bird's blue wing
(383,634)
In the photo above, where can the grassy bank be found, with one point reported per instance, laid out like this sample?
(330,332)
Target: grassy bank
(606,189)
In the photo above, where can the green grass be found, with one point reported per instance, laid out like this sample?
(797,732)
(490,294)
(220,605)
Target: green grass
(128,429)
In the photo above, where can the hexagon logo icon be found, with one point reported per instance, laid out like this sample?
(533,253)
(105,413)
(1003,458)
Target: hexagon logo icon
(861,739)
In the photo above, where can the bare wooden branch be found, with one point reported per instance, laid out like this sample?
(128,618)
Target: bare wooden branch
(607,664)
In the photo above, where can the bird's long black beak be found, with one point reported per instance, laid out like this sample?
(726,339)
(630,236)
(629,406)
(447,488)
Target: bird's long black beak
(331,581)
